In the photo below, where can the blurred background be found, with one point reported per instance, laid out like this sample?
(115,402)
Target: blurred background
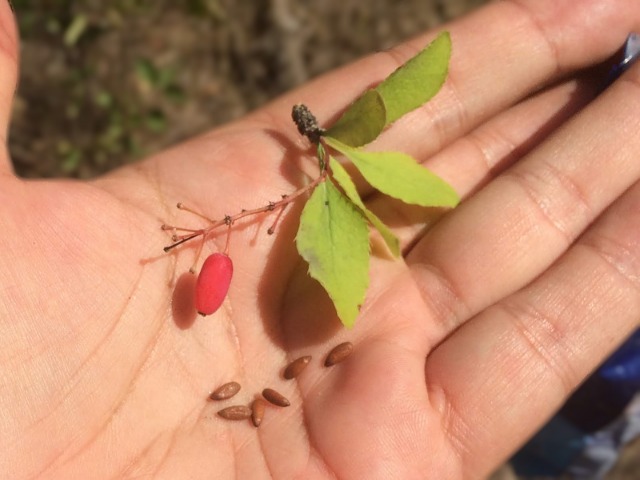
(103,83)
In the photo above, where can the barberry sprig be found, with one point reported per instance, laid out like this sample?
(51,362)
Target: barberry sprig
(333,235)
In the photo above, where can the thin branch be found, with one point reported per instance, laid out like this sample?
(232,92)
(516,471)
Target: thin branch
(229,220)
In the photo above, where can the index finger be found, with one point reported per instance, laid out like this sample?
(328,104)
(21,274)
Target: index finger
(502,53)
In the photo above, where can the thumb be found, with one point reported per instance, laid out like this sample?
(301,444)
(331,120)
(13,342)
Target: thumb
(8,78)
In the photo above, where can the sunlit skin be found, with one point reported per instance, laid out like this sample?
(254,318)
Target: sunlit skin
(461,351)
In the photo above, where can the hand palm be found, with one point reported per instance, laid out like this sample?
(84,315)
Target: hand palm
(123,354)
(109,372)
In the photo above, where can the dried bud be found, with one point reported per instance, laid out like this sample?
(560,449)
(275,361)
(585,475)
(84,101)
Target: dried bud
(306,123)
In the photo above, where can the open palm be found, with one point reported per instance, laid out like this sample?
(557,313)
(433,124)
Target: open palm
(461,350)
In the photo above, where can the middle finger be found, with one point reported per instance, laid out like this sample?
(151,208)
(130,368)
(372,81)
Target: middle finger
(515,227)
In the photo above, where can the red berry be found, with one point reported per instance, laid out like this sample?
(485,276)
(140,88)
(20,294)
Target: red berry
(213,283)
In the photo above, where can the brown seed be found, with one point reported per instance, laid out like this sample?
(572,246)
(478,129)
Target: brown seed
(338,354)
(274,397)
(296,367)
(225,391)
(257,411)
(236,412)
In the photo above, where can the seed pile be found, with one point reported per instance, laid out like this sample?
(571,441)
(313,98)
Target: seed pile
(256,411)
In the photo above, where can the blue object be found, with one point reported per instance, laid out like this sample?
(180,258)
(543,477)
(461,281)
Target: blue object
(623,367)
(601,417)
(600,453)
(551,450)
(630,54)
(631,50)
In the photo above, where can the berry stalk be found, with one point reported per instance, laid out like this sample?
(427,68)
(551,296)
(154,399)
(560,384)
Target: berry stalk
(229,220)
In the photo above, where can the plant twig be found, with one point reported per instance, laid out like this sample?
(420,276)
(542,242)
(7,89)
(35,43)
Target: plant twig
(229,220)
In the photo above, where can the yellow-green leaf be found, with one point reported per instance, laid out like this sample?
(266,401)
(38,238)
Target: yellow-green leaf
(400,176)
(341,176)
(333,238)
(419,79)
(362,122)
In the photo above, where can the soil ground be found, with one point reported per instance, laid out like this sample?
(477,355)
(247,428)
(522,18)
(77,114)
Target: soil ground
(105,83)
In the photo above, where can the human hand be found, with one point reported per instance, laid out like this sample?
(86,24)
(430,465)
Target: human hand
(461,351)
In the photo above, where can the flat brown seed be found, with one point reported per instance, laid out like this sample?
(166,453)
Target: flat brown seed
(276,398)
(236,412)
(225,391)
(296,367)
(257,411)
(338,354)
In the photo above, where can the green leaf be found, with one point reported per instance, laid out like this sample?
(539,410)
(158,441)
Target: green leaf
(333,238)
(400,176)
(362,122)
(415,82)
(147,71)
(75,30)
(341,176)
